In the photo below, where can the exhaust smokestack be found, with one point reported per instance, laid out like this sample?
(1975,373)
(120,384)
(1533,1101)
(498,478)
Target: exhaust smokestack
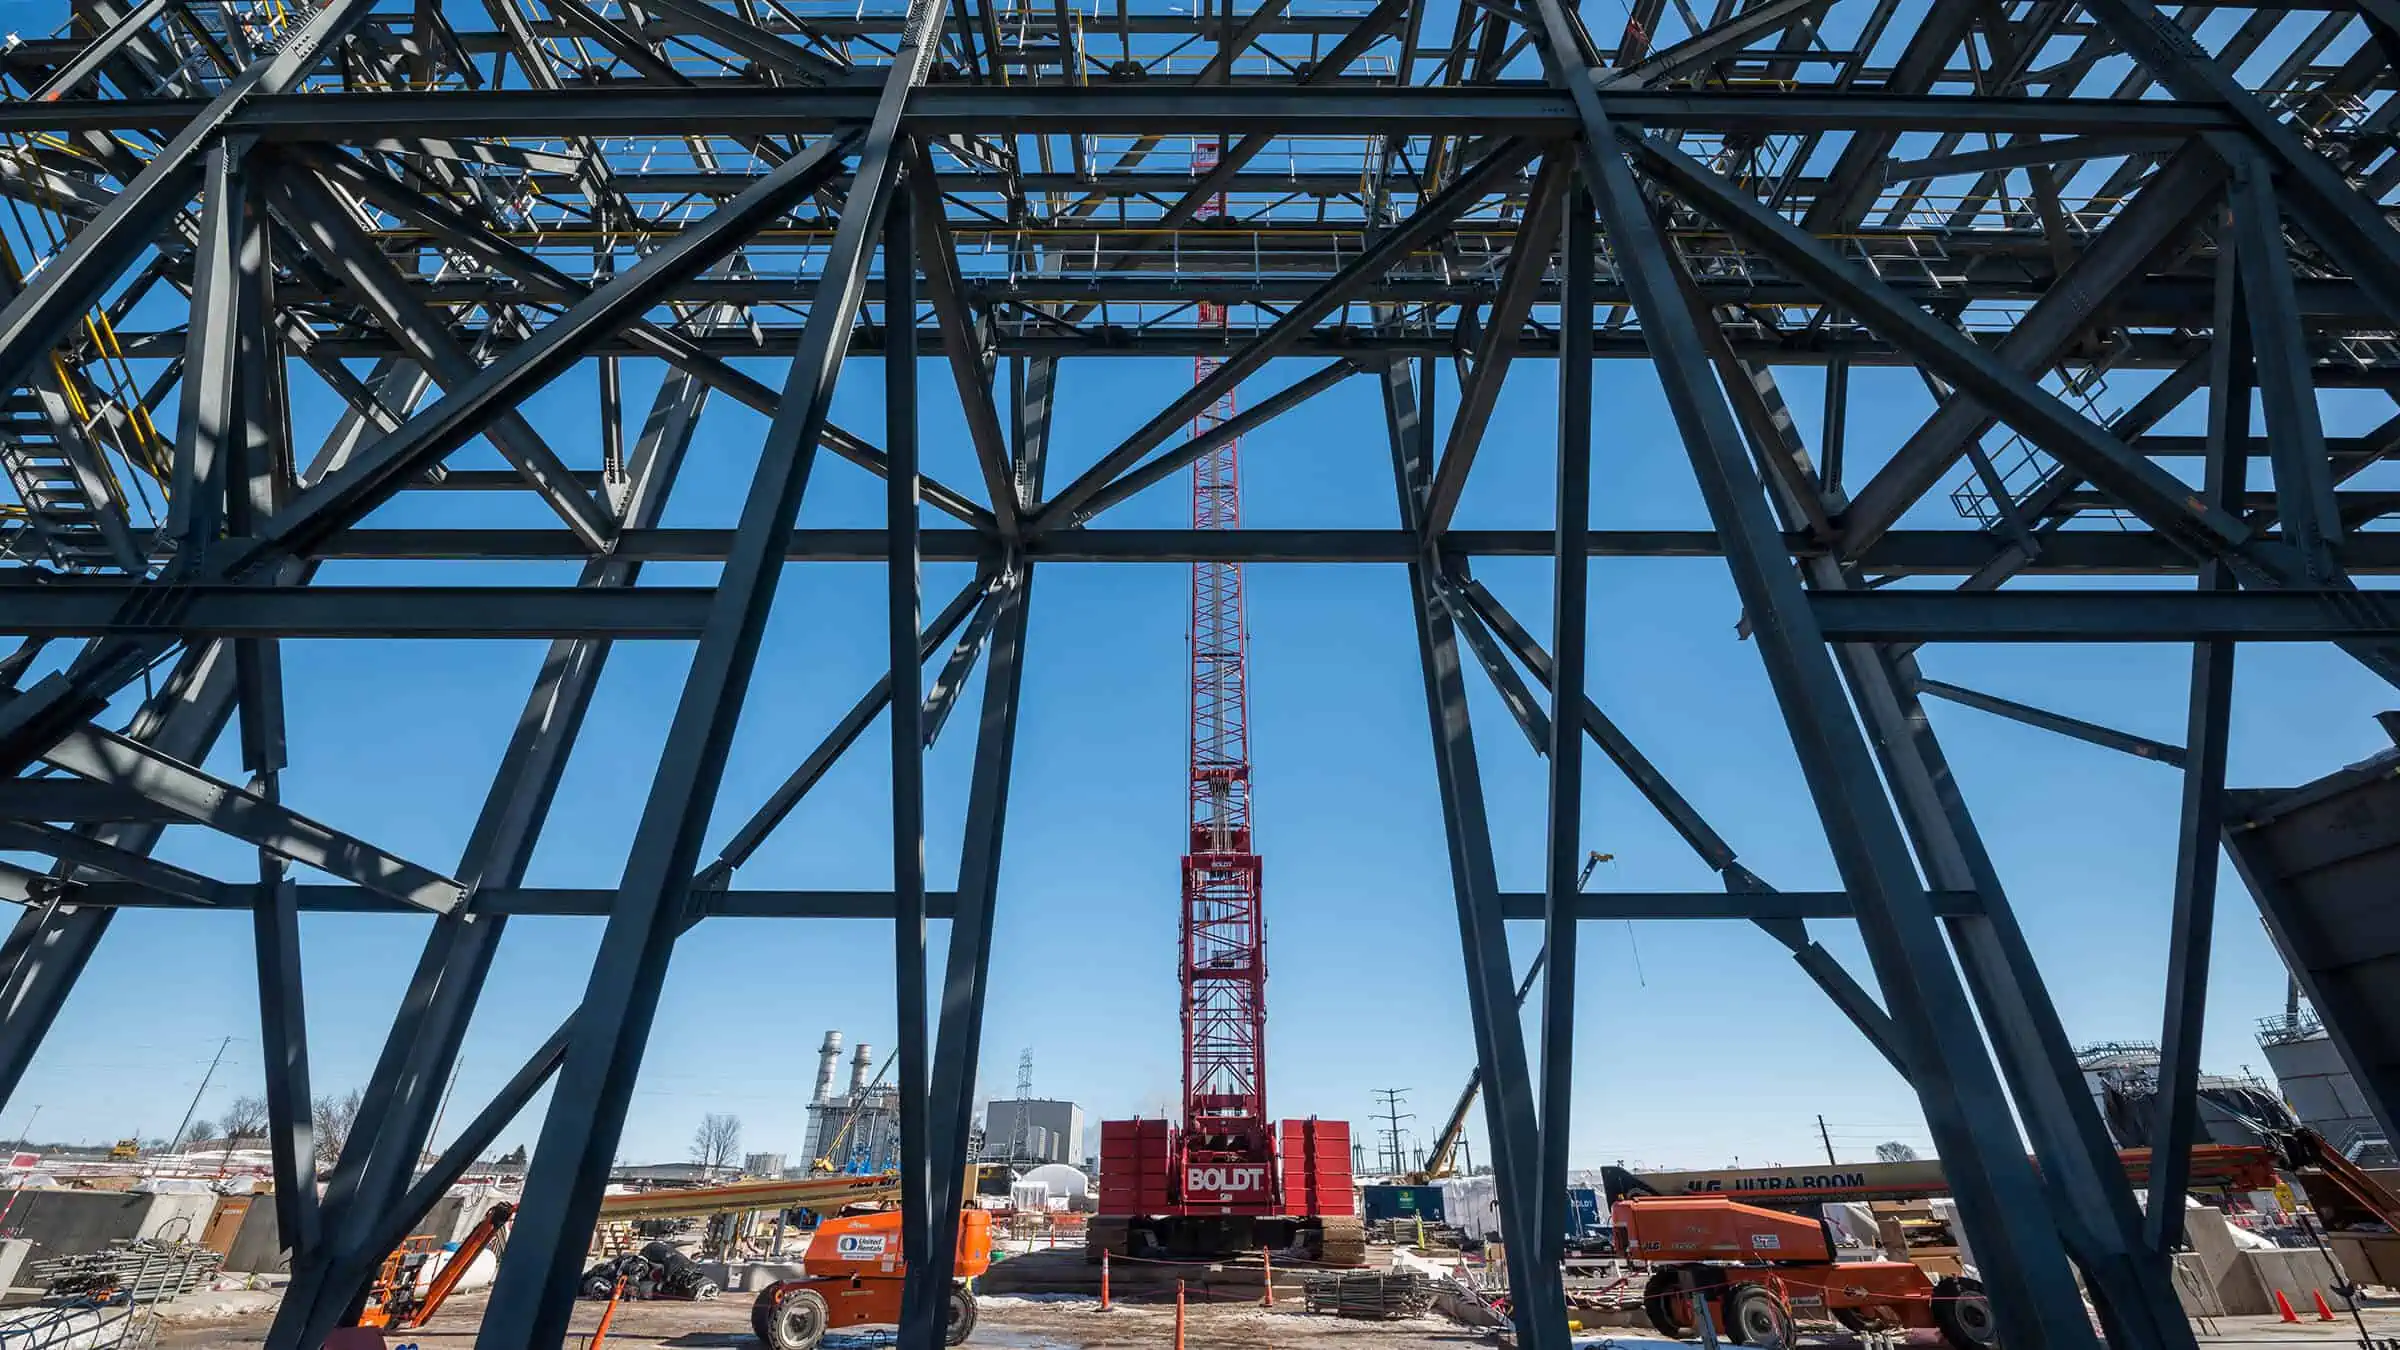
(862,1066)
(828,1055)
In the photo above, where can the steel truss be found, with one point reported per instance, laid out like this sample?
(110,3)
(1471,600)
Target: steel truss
(217,206)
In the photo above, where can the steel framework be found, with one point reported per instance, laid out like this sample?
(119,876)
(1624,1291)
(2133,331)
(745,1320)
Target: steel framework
(429,212)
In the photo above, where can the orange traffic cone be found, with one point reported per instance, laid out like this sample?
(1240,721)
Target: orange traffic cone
(2324,1309)
(2283,1306)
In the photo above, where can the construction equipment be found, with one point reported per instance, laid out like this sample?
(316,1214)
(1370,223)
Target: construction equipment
(1756,1269)
(395,1302)
(854,1278)
(1220,1185)
(1440,1160)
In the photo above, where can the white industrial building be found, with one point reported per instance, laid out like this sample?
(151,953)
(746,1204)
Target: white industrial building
(1033,1130)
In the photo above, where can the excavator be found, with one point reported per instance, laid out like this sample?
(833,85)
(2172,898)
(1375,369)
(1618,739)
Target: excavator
(1442,1159)
(395,1302)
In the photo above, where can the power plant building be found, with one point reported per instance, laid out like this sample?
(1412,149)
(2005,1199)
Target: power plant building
(1033,1130)
(857,1130)
(2318,1086)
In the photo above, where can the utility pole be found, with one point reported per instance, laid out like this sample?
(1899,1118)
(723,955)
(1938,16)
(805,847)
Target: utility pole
(1821,1134)
(194,1108)
(1391,1117)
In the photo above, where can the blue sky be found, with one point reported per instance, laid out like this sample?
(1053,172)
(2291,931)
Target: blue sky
(396,741)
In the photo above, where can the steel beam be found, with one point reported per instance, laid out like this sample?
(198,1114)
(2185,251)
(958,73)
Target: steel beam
(1509,1094)
(2337,216)
(1479,393)
(379,470)
(191,795)
(79,274)
(1363,106)
(1999,1197)
(1243,423)
(904,678)
(1892,615)
(974,599)
(2305,509)
(966,976)
(682,350)
(1570,621)
(2235,362)
(121,609)
(535,1292)
(1903,553)
(969,368)
(2166,205)
(2141,747)
(335,239)
(1430,220)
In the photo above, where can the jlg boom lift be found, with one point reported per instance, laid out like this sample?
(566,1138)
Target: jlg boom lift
(1756,1269)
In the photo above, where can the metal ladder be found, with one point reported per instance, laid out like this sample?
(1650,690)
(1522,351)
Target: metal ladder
(72,515)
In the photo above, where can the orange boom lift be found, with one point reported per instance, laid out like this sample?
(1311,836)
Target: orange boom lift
(1755,1269)
(854,1277)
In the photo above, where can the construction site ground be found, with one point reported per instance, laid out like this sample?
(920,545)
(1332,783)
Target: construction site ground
(1079,1324)
(1003,1324)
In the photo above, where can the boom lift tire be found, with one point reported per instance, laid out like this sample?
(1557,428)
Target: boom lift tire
(1963,1314)
(797,1321)
(962,1315)
(1658,1303)
(1754,1316)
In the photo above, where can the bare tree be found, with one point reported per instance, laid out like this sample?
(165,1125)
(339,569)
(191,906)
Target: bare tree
(198,1130)
(718,1141)
(245,1118)
(1894,1151)
(333,1118)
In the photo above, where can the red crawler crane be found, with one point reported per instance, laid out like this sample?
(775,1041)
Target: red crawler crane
(1216,1185)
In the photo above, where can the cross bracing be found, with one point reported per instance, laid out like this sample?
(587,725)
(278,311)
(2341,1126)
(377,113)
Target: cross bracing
(425,214)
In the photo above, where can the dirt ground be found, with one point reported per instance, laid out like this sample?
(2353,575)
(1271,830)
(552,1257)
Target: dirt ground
(1008,1323)
(1003,1323)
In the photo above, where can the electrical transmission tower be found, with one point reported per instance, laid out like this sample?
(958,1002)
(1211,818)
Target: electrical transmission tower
(1391,1115)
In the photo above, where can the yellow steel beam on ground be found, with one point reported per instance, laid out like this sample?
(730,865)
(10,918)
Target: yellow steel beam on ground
(825,1194)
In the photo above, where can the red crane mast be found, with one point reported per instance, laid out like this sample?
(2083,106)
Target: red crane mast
(1230,1180)
(1224,956)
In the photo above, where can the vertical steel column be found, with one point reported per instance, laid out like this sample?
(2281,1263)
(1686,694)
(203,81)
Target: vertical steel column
(2282,352)
(1568,625)
(535,1292)
(2002,1202)
(209,415)
(1536,1281)
(925,1303)
(2196,860)
(907,704)
(2080,1173)
(243,476)
(372,1176)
